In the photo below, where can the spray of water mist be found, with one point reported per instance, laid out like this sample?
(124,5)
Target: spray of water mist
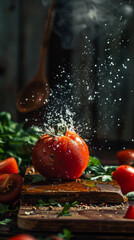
(91,18)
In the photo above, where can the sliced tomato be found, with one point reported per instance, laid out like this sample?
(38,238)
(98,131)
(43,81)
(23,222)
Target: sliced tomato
(9,165)
(10,187)
(22,237)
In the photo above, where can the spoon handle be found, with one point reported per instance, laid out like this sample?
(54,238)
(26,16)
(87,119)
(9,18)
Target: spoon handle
(46,38)
(48,25)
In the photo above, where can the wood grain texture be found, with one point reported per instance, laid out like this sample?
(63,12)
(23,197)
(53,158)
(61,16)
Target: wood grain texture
(101,219)
(81,190)
(101,206)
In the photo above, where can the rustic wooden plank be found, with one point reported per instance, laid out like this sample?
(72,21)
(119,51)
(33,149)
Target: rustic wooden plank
(100,219)
(100,205)
(81,190)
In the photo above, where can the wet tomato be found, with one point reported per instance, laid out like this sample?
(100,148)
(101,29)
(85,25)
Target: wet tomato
(125,156)
(61,156)
(22,237)
(124,175)
(130,213)
(10,187)
(9,165)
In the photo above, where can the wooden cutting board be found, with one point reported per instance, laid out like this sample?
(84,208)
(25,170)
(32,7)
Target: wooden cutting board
(101,206)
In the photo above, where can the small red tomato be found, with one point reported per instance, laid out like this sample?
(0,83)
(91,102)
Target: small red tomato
(125,156)
(61,157)
(22,237)
(130,212)
(10,187)
(9,165)
(124,175)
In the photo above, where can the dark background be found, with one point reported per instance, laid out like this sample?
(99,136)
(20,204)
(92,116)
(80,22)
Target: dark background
(100,90)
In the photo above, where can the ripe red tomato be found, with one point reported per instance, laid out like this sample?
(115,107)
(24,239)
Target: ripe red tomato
(22,237)
(10,187)
(9,165)
(125,156)
(130,212)
(61,157)
(124,175)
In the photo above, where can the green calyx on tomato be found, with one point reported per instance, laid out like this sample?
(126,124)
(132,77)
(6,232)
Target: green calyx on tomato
(60,155)
(60,129)
(10,187)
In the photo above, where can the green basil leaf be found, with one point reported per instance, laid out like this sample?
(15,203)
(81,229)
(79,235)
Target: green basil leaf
(93,161)
(6,221)
(65,235)
(4,208)
(130,195)
(110,169)
(5,118)
(65,210)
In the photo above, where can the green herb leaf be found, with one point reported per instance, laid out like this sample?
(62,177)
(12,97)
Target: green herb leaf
(4,208)
(6,221)
(110,169)
(65,210)
(35,178)
(15,141)
(51,202)
(75,203)
(93,161)
(106,178)
(98,171)
(130,195)
(65,235)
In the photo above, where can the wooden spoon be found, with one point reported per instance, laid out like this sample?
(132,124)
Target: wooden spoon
(36,93)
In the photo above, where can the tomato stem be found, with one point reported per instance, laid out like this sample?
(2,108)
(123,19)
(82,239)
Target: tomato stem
(60,129)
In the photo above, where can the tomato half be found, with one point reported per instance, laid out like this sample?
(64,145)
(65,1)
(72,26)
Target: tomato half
(124,175)
(22,237)
(9,165)
(10,187)
(125,156)
(61,157)
(130,213)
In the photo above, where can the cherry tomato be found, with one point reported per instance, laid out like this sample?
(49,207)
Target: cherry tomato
(22,237)
(9,165)
(125,156)
(130,212)
(61,157)
(10,187)
(124,175)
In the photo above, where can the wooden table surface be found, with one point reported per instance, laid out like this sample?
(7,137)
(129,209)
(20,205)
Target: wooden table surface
(12,229)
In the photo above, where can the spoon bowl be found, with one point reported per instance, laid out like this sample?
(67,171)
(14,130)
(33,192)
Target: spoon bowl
(36,93)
